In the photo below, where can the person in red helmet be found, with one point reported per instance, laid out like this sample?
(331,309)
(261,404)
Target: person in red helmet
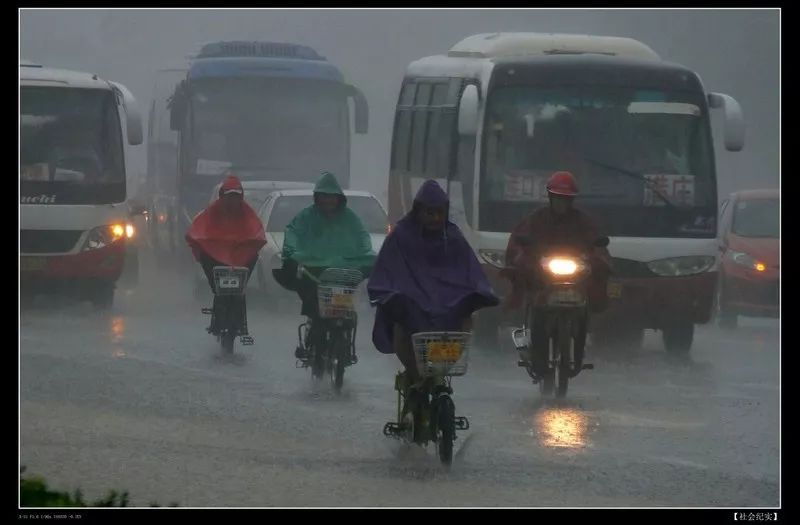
(560,224)
(227,233)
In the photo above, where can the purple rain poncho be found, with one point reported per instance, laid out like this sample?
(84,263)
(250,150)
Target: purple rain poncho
(425,281)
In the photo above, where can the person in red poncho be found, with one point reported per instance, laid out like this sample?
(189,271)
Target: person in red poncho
(227,233)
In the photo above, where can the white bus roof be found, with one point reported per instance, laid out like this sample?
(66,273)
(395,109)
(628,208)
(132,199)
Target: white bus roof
(496,45)
(35,74)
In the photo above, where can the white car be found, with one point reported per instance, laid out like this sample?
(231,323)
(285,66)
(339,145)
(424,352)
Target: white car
(281,207)
(256,191)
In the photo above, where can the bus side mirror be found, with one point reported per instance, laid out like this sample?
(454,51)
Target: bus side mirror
(468,111)
(734,119)
(177,105)
(361,110)
(177,115)
(133,119)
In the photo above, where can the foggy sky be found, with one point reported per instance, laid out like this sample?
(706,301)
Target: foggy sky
(734,52)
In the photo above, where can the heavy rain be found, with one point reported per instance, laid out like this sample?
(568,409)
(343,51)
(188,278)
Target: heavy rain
(187,175)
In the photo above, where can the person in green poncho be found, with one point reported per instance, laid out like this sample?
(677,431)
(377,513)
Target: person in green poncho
(326,234)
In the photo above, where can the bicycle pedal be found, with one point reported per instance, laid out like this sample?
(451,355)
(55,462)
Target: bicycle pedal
(462,423)
(587,366)
(207,311)
(247,340)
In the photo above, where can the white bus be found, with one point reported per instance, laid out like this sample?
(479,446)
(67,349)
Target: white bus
(74,218)
(494,117)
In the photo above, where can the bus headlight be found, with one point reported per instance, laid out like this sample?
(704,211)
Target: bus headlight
(496,258)
(103,236)
(679,266)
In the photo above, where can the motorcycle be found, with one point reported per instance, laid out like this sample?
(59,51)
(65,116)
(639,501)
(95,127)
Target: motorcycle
(229,310)
(426,412)
(552,339)
(329,341)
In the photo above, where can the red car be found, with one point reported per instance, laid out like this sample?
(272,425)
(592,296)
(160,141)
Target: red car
(749,273)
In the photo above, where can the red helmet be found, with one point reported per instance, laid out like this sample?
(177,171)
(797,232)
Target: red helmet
(231,184)
(562,183)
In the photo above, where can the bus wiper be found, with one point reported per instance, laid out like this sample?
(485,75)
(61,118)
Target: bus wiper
(635,175)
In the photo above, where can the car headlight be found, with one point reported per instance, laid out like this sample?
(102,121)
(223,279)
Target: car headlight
(745,259)
(678,266)
(103,236)
(496,258)
(130,231)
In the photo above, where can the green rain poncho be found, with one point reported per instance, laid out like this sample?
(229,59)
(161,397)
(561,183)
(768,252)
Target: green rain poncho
(340,241)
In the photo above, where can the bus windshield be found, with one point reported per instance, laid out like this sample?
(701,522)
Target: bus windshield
(642,158)
(260,124)
(71,145)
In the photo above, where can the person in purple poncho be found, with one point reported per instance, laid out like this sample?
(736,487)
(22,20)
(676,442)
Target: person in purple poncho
(426,278)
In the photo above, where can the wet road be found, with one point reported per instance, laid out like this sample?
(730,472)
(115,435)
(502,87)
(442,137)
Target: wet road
(140,399)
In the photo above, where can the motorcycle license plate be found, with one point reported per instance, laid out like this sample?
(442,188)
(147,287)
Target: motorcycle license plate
(229,282)
(565,297)
(614,290)
(439,351)
(32,264)
(342,300)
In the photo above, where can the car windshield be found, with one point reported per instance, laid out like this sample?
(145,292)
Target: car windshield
(255,198)
(367,208)
(757,218)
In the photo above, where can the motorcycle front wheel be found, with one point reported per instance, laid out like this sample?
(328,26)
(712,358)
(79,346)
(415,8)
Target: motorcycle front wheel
(562,344)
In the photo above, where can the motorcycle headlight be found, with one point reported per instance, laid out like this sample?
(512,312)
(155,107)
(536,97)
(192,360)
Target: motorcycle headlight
(679,266)
(103,236)
(496,258)
(745,259)
(563,266)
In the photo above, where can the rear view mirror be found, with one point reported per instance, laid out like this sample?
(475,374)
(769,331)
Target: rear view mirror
(734,119)
(468,111)
(133,118)
(361,109)
(177,108)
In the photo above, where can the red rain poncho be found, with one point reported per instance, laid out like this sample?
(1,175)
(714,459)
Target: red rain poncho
(232,239)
